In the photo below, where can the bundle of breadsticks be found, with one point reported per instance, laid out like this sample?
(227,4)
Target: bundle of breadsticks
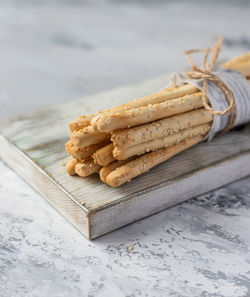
(128,140)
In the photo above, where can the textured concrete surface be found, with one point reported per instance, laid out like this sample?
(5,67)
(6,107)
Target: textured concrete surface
(199,248)
(53,51)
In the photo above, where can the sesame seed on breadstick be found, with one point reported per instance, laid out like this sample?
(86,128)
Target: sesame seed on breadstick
(88,136)
(86,168)
(104,155)
(157,143)
(161,128)
(80,123)
(147,161)
(137,116)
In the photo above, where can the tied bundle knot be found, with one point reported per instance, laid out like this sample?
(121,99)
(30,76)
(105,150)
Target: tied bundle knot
(205,73)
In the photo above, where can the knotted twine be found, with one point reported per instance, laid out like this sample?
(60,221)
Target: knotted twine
(225,93)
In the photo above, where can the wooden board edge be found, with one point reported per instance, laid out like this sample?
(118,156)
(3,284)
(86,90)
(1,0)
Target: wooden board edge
(210,178)
(62,201)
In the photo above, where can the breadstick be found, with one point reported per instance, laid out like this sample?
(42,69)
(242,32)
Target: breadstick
(145,162)
(70,166)
(166,94)
(238,60)
(80,123)
(86,168)
(104,155)
(162,128)
(81,153)
(69,146)
(105,171)
(88,136)
(83,121)
(153,145)
(243,68)
(137,116)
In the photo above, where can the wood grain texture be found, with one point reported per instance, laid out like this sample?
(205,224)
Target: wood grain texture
(33,145)
(45,185)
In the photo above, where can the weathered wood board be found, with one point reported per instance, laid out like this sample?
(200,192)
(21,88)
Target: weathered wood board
(33,145)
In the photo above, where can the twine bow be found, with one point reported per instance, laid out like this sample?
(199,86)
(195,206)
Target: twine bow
(205,73)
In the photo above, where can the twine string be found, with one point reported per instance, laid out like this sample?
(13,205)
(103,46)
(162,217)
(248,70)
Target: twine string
(205,73)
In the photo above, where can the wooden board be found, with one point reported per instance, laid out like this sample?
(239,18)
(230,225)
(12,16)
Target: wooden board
(33,145)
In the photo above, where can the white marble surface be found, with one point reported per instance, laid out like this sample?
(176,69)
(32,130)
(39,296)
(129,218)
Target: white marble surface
(53,51)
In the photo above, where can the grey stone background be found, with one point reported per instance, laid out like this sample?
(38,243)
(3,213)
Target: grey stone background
(52,51)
